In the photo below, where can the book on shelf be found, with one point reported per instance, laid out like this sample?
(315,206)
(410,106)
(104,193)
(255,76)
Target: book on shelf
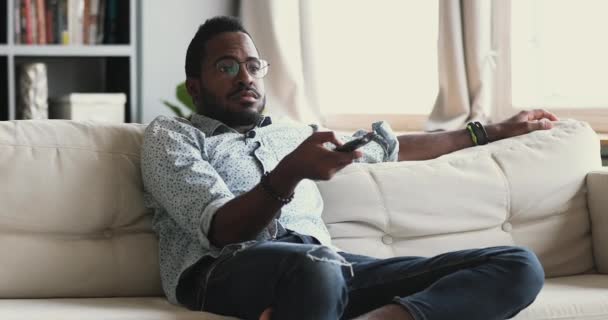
(62,23)
(85,22)
(107,107)
(112,21)
(40,21)
(17,22)
(67,21)
(48,30)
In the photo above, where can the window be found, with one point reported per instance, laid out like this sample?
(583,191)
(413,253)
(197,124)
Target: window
(379,60)
(558,58)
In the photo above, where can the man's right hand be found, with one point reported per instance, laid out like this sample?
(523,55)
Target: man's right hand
(266,314)
(243,217)
(312,160)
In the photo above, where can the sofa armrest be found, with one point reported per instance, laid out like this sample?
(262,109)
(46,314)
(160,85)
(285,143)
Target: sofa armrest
(597,199)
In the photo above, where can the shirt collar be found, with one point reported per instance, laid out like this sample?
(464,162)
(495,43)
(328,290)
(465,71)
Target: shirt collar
(211,127)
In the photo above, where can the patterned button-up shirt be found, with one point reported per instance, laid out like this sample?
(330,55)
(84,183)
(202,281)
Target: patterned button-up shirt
(192,168)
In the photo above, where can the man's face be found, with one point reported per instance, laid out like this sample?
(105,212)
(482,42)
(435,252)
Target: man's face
(234,99)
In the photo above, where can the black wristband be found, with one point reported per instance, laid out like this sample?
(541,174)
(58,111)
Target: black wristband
(483,131)
(275,195)
(481,136)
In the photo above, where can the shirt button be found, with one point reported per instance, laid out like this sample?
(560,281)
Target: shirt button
(507,227)
(387,239)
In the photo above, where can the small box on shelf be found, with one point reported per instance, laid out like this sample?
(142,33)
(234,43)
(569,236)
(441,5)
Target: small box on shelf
(106,107)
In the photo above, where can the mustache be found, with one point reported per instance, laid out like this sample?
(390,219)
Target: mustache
(239,90)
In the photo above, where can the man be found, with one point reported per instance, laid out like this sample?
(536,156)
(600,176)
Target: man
(239,217)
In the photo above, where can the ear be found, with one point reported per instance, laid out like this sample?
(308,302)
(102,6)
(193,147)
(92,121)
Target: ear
(193,87)
(194,90)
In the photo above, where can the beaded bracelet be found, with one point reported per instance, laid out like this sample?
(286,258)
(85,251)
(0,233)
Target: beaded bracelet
(275,195)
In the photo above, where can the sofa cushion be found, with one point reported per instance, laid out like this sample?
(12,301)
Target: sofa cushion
(582,297)
(72,218)
(527,190)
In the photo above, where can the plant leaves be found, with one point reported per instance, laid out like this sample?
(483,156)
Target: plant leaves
(184,97)
(177,110)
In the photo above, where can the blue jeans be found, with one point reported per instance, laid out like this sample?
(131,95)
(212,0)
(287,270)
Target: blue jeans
(300,279)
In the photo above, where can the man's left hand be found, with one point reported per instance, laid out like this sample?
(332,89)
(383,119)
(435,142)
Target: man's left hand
(523,122)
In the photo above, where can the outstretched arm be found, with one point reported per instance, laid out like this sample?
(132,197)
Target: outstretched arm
(432,145)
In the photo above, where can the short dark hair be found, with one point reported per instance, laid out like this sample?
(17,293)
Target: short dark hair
(206,31)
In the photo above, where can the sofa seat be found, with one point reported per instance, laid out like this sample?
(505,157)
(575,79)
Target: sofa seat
(120,308)
(574,297)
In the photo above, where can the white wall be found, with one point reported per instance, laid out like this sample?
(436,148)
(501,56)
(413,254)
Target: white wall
(166,30)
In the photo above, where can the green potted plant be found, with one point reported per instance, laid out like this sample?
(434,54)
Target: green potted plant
(181,93)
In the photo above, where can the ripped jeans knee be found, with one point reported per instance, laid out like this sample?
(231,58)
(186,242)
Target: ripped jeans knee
(317,274)
(325,254)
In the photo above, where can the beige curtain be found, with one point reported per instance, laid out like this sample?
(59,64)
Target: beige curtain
(277,28)
(466,64)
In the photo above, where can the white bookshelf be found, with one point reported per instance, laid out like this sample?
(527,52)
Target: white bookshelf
(73,68)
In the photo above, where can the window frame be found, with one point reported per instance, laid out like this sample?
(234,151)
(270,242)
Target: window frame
(402,122)
(502,99)
(354,121)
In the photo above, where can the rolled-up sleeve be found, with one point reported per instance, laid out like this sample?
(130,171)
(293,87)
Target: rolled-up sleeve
(386,146)
(178,176)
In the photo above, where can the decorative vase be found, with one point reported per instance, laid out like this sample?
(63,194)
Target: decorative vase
(33,92)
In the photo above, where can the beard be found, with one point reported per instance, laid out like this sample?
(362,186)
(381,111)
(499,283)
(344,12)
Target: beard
(212,108)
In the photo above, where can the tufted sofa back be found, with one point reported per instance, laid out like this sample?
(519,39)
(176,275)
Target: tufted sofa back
(73,224)
(528,190)
(72,220)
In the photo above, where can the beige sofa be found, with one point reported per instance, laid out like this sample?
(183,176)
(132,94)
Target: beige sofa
(76,241)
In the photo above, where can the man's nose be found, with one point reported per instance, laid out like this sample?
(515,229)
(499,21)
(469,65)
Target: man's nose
(244,77)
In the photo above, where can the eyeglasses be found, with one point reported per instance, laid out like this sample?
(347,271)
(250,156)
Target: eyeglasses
(257,68)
